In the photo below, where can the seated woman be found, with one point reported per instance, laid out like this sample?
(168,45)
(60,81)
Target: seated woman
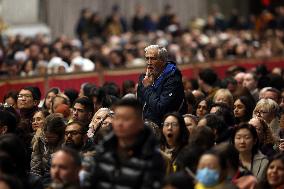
(243,108)
(238,175)
(212,172)
(268,110)
(202,108)
(38,119)
(274,176)
(190,121)
(51,140)
(266,141)
(224,96)
(246,141)
(97,121)
(48,98)
(37,123)
(173,138)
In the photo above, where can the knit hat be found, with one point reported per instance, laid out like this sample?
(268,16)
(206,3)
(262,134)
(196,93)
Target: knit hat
(63,109)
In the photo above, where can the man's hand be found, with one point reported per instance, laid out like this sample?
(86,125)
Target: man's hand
(148,79)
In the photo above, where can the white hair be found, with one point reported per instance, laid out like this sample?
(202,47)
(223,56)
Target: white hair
(162,51)
(267,104)
(103,110)
(262,91)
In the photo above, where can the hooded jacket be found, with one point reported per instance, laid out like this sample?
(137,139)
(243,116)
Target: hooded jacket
(142,168)
(260,163)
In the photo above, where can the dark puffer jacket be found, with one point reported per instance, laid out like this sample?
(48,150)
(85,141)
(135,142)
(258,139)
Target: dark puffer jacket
(167,97)
(143,166)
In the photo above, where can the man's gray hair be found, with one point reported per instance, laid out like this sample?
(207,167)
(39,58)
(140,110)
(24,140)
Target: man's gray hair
(162,52)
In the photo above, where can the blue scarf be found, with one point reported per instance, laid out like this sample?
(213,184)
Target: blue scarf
(168,69)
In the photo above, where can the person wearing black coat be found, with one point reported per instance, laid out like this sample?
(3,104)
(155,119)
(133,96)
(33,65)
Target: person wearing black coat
(128,157)
(160,90)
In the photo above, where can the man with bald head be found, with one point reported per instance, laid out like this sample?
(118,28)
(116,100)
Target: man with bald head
(160,89)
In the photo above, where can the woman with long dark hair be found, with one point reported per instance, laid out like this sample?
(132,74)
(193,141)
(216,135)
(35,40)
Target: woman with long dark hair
(245,140)
(174,137)
(274,175)
(48,98)
(50,140)
(265,136)
(202,108)
(243,108)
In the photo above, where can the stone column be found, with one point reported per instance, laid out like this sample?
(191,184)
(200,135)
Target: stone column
(17,12)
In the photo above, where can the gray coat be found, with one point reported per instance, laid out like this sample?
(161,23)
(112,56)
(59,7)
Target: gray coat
(259,165)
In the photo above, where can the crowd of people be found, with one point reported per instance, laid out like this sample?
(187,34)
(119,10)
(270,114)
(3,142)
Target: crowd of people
(114,41)
(166,131)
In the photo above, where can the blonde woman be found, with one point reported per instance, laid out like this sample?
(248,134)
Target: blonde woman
(224,96)
(266,140)
(99,117)
(267,109)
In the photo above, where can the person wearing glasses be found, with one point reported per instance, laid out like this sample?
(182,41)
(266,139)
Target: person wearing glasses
(173,138)
(128,157)
(268,110)
(10,98)
(160,89)
(75,136)
(27,103)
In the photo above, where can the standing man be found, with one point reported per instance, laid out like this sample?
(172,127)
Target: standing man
(160,90)
(129,157)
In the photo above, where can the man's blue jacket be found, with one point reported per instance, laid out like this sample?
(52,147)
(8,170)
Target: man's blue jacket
(164,96)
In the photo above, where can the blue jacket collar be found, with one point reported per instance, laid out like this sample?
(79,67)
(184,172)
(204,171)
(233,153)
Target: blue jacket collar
(169,68)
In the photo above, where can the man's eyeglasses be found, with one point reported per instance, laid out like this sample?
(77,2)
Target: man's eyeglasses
(72,133)
(5,105)
(20,96)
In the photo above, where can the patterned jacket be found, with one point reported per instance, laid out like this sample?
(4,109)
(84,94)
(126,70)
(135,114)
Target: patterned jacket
(143,166)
